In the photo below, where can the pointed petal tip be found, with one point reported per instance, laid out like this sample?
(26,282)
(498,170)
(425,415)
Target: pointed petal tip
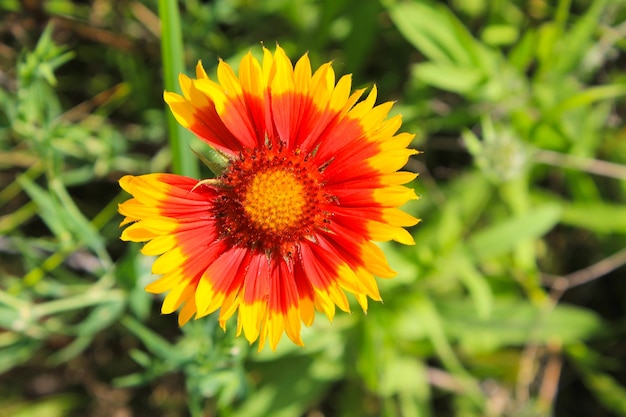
(171,97)
(125,181)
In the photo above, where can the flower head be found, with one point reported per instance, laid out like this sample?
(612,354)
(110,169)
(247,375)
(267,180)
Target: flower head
(287,228)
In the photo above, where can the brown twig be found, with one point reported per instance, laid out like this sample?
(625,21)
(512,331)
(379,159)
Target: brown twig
(526,373)
(560,284)
(85,108)
(444,380)
(150,20)
(551,375)
(590,165)
(103,36)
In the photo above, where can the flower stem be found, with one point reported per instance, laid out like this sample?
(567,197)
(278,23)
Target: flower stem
(183,162)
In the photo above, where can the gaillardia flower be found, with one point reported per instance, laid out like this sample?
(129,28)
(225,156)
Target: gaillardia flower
(287,228)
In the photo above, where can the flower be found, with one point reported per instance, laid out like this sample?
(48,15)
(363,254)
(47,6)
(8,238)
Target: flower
(287,228)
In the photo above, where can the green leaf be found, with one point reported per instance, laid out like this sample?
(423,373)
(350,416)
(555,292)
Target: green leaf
(361,40)
(154,342)
(55,218)
(466,200)
(477,286)
(515,323)
(76,221)
(547,37)
(579,41)
(588,97)
(10,5)
(504,236)
(500,34)
(598,217)
(523,52)
(101,317)
(8,317)
(216,161)
(403,374)
(17,353)
(51,406)
(75,348)
(606,389)
(433,322)
(449,77)
(430,28)
(133,272)
(290,385)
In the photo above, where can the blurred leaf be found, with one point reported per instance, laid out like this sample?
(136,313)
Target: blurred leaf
(579,41)
(604,386)
(376,346)
(153,371)
(608,391)
(433,323)
(500,34)
(15,354)
(472,193)
(84,231)
(49,211)
(141,357)
(466,200)
(504,236)
(448,77)
(8,317)
(73,349)
(51,406)
(598,217)
(41,63)
(476,284)
(430,29)
(515,323)
(133,273)
(10,5)
(450,226)
(365,30)
(100,317)
(290,386)
(404,374)
(406,378)
(547,37)
(523,52)
(587,97)
(153,342)
(587,358)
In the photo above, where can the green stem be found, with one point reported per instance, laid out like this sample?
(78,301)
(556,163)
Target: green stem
(77,302)
(13,302)
(172,55)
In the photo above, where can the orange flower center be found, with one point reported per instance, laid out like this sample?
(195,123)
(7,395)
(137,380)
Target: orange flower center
(271,199)
(274,200)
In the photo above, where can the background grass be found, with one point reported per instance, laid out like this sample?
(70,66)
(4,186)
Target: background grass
(512,302)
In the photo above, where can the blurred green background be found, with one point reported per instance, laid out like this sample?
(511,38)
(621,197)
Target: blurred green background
(512,302)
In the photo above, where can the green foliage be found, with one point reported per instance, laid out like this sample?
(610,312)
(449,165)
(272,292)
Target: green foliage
(510,303)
